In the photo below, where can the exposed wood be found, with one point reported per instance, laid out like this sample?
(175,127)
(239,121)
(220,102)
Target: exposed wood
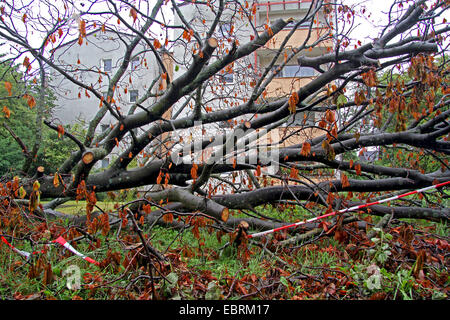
(87,157)
(225,214)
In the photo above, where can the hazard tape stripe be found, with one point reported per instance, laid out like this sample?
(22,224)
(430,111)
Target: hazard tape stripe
(21,252)
(293,225)
(26,254)
(65,244)
(60,241)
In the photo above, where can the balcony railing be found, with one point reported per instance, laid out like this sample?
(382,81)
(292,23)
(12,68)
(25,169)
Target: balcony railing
(283,5)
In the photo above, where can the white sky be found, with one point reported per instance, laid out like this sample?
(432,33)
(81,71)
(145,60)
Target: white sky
(365,28)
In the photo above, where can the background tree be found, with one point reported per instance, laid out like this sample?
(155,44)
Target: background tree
(18,129)
(16,119)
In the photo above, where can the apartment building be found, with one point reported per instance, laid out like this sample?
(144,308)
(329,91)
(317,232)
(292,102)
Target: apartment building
(234,83)
(95,62)
(98,57)
(292,76)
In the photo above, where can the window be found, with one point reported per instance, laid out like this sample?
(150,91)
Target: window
(225,29)
(105,163)
(107,65)
(228,78)
(135,64)
(133,95)
(291,71)
(304,24)
(294,71)
(307,72)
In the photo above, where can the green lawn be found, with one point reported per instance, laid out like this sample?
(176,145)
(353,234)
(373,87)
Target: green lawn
(79,207)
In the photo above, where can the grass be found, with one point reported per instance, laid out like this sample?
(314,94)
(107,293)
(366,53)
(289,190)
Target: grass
(79,207)
(202,266)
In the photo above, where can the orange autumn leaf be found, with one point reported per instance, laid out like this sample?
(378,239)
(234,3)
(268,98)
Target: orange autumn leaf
(8,87)
(133,13)
(60,131)
(194,171)
(358,169)
(294,173)
(30,100)
(329,116)
(188,34)
(158,180)
(293,101)
(306,149)
(344,181)
(156,44)
(6,111)
(168,218)
(82,28)
(147,208)
(370,78)
(258,170)
(56,180)
(26,63)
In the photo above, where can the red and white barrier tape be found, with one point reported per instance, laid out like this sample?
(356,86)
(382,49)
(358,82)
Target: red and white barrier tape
(67,245)
(293,225)
(21,252)
(60,241)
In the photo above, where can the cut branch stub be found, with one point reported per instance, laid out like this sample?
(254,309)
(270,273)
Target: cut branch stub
(213,43)
(39,172)
(243,225)
(210,45)
(88,157)
(225,214)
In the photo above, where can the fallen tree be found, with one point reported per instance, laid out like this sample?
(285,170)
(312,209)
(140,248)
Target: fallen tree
(389,93)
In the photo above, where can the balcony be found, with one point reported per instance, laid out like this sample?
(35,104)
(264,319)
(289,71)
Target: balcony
(280,87)
(299,37)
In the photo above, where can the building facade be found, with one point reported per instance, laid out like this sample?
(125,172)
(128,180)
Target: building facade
(97,61)
(234,84)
